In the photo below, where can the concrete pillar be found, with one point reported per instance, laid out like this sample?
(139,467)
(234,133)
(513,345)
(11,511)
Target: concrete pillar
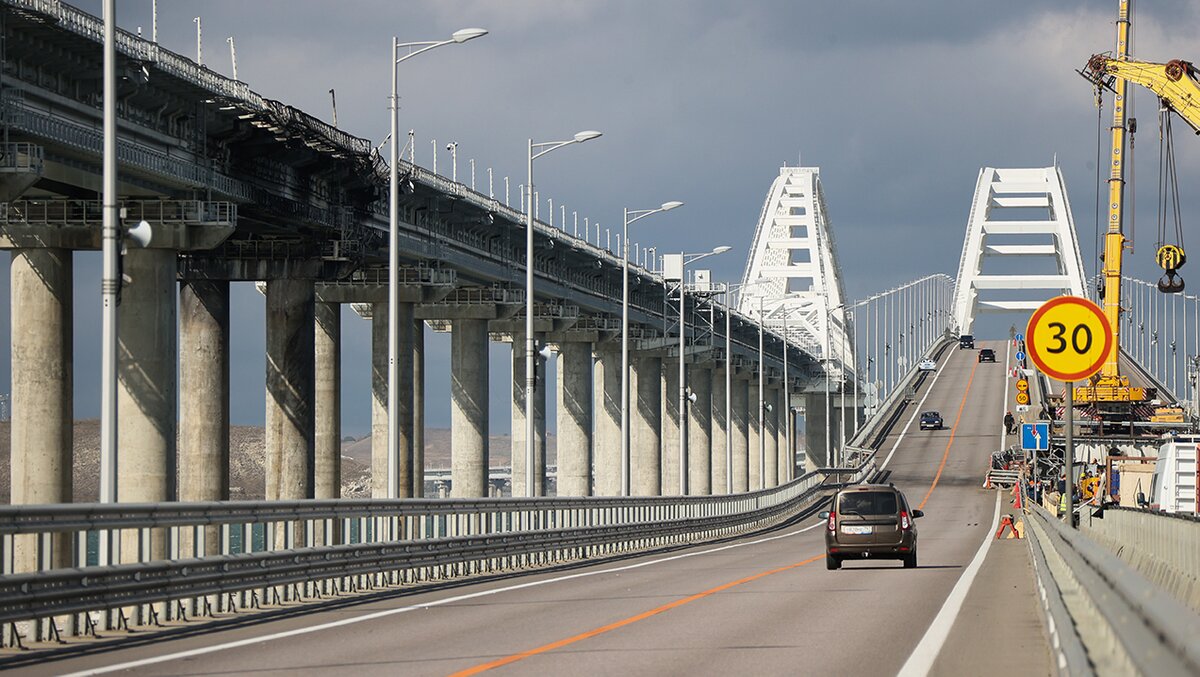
(418,437)
(42,432)
(787,461)
(815,428)
(379,417)
(469,408)
(670,428)
(519,472)
(700,431)
(290,352)
(608,420)
(753,434)
(574,419)
(740,411)
(718,438)
(771,437)
(646,425)
(146,372)
(204,395)
(327,401)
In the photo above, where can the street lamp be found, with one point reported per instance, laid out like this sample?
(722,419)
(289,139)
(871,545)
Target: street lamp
(536,150)
(414,48)
(684,260)
(630,217)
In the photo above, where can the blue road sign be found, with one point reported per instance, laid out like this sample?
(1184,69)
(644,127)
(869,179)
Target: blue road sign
(1035,436)
(1020,337)
(1020,356)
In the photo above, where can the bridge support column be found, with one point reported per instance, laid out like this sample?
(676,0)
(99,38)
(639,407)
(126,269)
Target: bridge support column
(787,461)
(418,408)
(670,428)
(700,431)
(146,392)
(290,353)
(608,420)
(719,434)
(379,413)
(740,411)
(327,401)
(42,432)
(646,424)
(574,419)
(518,464)
(469,408)
(204,409)
(754,412)
(771,437)
(816,428)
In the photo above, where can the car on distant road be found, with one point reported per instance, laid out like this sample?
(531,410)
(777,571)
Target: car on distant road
(987,355)
(870,521)
(931,420)
(966,341)
(927,365)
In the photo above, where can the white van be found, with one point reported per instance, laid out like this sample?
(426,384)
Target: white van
(1173,488)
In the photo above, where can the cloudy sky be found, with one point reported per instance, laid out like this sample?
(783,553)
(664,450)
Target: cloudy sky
(899,104)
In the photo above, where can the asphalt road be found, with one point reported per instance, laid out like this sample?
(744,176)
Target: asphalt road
(762,605)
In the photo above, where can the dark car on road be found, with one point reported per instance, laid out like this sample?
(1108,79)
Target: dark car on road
(931,420)
(966,341)
(987,355)
(870,521)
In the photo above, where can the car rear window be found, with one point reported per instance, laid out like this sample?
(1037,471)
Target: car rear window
(868,503)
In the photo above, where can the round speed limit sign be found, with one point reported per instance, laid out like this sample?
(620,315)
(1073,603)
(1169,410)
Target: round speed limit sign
(1069,338)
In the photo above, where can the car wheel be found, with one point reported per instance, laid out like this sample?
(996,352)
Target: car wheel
(832,563)
(910,561)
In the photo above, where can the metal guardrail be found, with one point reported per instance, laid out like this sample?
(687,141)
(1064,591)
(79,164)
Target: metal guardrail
(1110,608)
(336,546)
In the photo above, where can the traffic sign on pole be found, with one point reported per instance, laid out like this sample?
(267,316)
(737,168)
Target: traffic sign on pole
(1020,356)
(1023,397)
(1035,436)
(1069,338)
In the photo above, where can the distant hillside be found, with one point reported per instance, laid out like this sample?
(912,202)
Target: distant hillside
(246,460)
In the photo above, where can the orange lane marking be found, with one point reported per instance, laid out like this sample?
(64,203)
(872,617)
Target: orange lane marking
(953,429)
(622,623)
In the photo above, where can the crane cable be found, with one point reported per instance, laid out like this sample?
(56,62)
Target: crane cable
(1170,255)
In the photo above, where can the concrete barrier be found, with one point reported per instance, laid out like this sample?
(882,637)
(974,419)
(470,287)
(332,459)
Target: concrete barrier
(1164,548)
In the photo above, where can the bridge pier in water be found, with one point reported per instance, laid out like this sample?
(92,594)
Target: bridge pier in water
(518,463)
(670,430)
(740,413)
(770,415)
(327,400)
(718,435)
(289,412)
(469,407)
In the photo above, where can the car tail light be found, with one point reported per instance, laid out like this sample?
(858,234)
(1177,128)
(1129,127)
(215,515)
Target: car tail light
(905,524)
(832,518)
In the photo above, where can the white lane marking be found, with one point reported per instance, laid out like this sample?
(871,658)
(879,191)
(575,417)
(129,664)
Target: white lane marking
(927,650)
(424,605)
(916,413)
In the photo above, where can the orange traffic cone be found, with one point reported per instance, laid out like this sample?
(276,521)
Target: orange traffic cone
(1017,501)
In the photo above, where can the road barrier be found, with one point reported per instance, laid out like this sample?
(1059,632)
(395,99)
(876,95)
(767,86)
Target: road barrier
(1163,547)
(1103,616)
(277,552)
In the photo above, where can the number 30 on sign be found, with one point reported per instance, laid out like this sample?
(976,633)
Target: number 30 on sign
(1069,338)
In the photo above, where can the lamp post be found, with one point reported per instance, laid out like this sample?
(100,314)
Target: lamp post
(414,48)
(630,217)
(536,150)
(684,260)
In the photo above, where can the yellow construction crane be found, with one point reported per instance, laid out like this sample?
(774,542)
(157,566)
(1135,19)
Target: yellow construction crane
(1175,83)
(1110,385)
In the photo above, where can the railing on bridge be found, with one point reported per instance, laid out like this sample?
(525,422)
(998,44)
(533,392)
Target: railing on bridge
(1161,332)
(288,551)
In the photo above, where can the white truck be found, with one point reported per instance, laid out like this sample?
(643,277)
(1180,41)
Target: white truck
(1176,474)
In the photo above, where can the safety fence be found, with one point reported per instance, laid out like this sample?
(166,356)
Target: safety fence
(224,557)
(1163,547)
(1102,615)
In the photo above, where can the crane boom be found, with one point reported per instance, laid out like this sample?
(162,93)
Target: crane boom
(1174,82)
